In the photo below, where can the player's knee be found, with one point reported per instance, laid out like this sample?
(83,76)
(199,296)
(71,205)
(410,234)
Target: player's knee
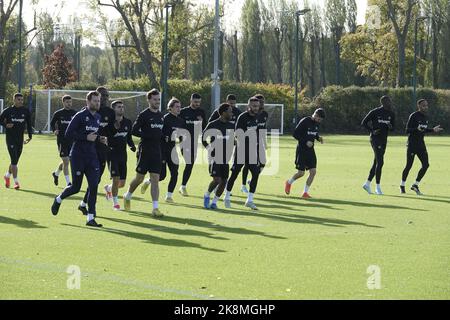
(154,177)
(121,184)
(312,172)
(426,165)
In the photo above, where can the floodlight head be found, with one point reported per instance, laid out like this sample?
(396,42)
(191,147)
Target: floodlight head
(421,18)
(303,11)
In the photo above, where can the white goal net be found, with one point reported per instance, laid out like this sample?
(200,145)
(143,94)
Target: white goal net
(276,116)
(49,101)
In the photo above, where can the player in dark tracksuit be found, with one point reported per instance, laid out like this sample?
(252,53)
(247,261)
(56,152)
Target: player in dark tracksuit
(120,137)
(220,146)
(306,132)
(107,119)
(231,100)
(378,122)
(15,119)
(148,126)
(416,128)
(246,151)
(83,130)
(172,127)
(195,121)
(263,117)
(59,123)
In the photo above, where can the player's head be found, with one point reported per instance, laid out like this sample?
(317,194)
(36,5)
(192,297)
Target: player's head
(231,100)
(93,100)
(154,99)
(253,105)
(18,100)
(226,111)
(422,105)
(318,115)
(196,100)
(104,96)
(67,101)
(262,100)
(118,107)
(174,106)
(386,102)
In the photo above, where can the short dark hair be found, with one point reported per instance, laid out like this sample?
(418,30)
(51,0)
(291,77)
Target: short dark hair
(259,96)
(115,103)
(101,90)
(223,107)
(18,95)
(320,112)
(92,94)
(172,102)
(253,99)
(66,97)
(231,97)
(384,99)
(195,96)
(153,92)
(419,102)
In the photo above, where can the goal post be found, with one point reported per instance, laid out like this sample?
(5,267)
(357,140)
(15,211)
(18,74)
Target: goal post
(276,116)
(1,111)
(49,101)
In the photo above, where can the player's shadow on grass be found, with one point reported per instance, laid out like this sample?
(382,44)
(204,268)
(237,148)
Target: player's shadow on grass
(151,239)
(148,226)
(424,198)
(22,223)
(209,225)
(294,206)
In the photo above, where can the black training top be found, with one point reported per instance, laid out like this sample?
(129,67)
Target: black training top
(81,125)
(171,124)
(216,115)
(417,120)
(249,124)
(193,117)
(307,130)
(60,120)
(120,138)
(379,119)
(148,126)
(226,130)
(20,118)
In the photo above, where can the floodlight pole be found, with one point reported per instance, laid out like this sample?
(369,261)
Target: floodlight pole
(215,94)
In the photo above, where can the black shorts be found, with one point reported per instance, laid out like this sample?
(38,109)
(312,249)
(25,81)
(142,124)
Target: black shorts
(15,151)
(64,146)
(118,168)
(148,161)
(305,159)
(219,170)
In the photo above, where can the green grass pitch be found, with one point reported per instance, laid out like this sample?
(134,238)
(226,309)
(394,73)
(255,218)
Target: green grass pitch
(291,249)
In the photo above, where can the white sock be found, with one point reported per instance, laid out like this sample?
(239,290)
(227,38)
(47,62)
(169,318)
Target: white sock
(90,217)
(128,196)
(227,195)
(183,187)
(291,181)
(169,194)
(116,200)
(155,204)
(58,199)
(16,180)
(307,188)
(67,179)
(378,186)
(250,197)
(243,186)
(402,184)
(417,183)
(8,175)
(207,194)
(57,172)
(83,204)
(109,188)
(148,182)
(368,183)
(215,200)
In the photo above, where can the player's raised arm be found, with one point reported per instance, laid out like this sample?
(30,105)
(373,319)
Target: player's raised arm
(367,122)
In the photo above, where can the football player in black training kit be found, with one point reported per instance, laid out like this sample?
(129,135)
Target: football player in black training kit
(59,123)
(15,119)
(378,122)
(195,123)
(231,100)
(262,142)
(220,149)
(171,130)
(416,128)
(121,137)
(107,119)
(246,152)
(306,132)
(148,126)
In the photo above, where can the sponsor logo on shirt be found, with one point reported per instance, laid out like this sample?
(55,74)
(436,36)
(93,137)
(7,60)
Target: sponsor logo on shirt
(91,128)
(312,133)
(65,122)
(120,134)
(423,126)
(384,121)
(156,126)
